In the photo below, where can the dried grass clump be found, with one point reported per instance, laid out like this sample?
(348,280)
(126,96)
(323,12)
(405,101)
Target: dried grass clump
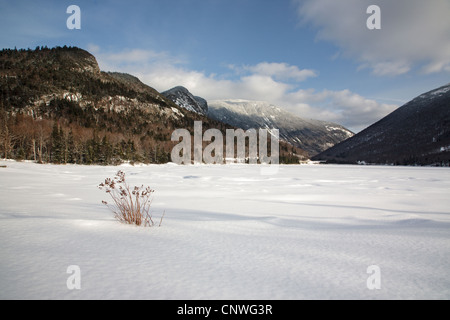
(131,205)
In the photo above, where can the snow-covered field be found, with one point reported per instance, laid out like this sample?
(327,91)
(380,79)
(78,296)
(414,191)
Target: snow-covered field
(308,232)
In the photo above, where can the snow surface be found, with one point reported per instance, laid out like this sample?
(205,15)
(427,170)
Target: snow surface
(308,232)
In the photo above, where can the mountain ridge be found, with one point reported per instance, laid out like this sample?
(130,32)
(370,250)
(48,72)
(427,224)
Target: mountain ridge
(183,98)
(417,133)
(109,116)
(57,106)
(311,135)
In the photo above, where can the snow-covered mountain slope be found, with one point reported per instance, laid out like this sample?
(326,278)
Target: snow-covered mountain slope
(184,99)
(314,136)
(416,133)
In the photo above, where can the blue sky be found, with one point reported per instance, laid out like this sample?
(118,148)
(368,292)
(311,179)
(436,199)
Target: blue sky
(315,58)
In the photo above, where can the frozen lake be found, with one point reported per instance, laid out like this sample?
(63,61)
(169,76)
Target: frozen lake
(307,232)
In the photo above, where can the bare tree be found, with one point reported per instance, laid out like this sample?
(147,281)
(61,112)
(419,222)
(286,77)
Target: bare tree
(7,139)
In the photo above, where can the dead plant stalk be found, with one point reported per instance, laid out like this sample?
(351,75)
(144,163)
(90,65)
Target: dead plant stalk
(131,206)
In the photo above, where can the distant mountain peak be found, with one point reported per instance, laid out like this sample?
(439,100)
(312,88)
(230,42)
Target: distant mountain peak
(314,136)
(418,133)
(436,92)
(178,89)
(184,99)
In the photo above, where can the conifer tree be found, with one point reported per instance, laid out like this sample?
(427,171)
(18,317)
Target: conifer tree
(56,145)
(63,146)
(71,157)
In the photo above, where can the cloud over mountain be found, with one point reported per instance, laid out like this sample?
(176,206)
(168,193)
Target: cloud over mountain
(276,82)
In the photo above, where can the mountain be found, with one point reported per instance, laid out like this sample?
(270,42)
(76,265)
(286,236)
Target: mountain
(57,106)
(417,133)
(184,99)
(33,77)
(313,136)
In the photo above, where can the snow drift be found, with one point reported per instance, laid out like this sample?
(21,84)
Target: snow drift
(309,232)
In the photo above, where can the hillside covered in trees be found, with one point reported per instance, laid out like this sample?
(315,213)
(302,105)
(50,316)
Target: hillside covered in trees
(417,133)
(57,106)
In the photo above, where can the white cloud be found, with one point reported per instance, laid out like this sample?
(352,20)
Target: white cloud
(282,71)
(276,83)
(344,107)
(391,68)
(414,33)
(133,59)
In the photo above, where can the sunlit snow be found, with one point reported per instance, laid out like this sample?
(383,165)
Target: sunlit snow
(307,232)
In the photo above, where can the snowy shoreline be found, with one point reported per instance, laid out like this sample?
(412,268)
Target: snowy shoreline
(307,232)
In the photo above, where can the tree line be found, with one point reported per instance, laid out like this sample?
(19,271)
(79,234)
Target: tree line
(48,141)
